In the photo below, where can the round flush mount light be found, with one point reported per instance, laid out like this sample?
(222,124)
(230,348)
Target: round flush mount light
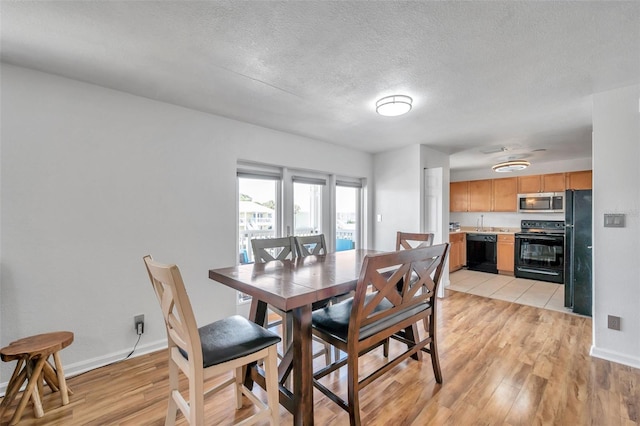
(511,166)
(392,106)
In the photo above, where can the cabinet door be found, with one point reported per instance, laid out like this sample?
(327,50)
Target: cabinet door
(456,251)
(529,184)
(505,195)
(580,180)
(554,182)
(459,196)
(506,249)
(480,195)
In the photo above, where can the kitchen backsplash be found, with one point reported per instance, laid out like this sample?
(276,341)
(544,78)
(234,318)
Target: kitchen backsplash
(502,220)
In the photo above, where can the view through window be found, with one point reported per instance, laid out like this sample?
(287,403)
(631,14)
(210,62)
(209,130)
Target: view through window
(346,217)
(258,204)
(307,208)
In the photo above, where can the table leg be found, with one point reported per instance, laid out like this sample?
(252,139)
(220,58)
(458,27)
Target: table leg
(302,366)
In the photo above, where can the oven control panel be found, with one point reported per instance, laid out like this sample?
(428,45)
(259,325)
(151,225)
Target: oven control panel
(543,226)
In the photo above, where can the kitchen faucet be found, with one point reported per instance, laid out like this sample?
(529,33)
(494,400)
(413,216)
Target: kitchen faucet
(480,223)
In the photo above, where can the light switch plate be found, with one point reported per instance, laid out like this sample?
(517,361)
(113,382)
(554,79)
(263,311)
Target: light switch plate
(614,220)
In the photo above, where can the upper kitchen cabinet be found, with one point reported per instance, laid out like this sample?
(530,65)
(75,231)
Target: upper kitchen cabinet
(553,182)
(459,196)
(480,195)
(580,180)
(505,193)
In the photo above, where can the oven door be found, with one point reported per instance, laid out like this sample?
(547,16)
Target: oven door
(540,257)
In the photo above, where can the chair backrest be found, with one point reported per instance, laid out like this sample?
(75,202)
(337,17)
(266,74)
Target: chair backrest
(379,296)
(309,245)
(409,240)
(182,329)
(268,249)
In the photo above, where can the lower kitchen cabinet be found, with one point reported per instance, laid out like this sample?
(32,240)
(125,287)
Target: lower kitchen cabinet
(506,250)
(457,251)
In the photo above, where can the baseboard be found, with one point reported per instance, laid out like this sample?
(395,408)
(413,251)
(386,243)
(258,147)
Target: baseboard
(93,363)
(615,357)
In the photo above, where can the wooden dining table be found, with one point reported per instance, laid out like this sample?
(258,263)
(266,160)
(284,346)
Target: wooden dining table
(294,285)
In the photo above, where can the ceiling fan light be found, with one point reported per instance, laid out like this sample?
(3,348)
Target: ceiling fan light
(511,166)
(392,106)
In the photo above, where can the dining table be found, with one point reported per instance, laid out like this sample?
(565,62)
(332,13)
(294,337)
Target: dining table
(294,286)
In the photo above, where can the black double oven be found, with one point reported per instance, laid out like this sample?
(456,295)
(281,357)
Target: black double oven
(539,251)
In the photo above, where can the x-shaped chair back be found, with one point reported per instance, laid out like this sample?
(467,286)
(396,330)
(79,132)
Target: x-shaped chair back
(268,249)
(311,245)
(409,240)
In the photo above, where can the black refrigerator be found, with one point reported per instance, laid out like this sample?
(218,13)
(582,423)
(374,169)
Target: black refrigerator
(578,261)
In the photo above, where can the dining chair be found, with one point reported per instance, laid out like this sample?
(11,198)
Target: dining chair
(410,240)
(378,311)
(310,245)
(226,345)
(269,249)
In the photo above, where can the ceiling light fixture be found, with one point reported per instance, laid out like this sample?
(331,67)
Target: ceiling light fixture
(392,106)
(511,166)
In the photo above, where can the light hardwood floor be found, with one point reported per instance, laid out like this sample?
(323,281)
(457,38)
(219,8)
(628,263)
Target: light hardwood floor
(503,363)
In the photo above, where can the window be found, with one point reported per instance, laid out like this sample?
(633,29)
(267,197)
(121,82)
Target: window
(258,205)
(307,205)
(347,214)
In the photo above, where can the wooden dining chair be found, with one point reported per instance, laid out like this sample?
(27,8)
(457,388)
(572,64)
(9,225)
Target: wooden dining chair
(378,311)
(310,245)
(227,345)
(410,240)
(269,249)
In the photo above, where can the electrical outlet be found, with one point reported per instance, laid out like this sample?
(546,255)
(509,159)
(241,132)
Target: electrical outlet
(138,321)
(613,322)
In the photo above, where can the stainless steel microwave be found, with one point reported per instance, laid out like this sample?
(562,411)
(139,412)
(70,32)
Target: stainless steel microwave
(544,202)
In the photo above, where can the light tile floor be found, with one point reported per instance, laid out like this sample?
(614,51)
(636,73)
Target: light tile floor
(518,290)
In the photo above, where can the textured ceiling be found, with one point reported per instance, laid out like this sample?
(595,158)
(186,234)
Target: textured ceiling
(483,75)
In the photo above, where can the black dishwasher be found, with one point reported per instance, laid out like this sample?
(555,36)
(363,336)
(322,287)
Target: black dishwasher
(482,253)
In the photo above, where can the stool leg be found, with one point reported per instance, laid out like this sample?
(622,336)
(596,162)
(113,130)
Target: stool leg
(62,383)
(33,381)
(50,377)
(13,387)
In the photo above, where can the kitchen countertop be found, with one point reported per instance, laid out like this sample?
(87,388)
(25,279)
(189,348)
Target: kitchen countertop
(486,230)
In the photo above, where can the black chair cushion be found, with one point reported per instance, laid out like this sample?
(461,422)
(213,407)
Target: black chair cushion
(334,319)
(231,338)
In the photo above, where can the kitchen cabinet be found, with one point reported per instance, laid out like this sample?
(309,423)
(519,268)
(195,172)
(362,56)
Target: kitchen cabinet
(459,196)
(480,195)
(506,251)
(457,251)
(580,180)
(552,182)
(505,193)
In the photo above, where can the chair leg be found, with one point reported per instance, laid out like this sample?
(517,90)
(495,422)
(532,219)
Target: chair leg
(433,349)
(196,399)
(353,391)
(272,385)
(327,353)
(385,348)
(172,409)
(238,387)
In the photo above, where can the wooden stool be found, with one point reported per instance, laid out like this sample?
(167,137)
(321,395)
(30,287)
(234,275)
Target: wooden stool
(32,354)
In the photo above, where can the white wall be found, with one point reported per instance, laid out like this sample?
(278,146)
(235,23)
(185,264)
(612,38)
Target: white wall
(92,180)
(616,153)
(398,182)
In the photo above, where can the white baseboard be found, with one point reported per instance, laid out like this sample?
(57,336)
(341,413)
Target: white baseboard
(615,357)
(93,363)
